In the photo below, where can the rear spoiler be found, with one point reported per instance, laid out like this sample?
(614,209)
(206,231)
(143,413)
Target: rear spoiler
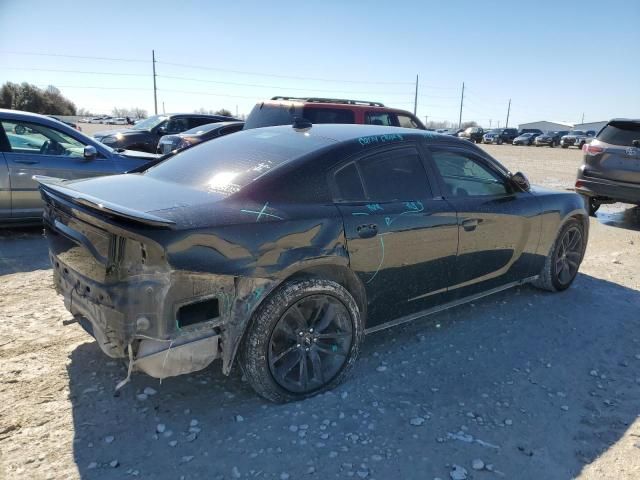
(55,186)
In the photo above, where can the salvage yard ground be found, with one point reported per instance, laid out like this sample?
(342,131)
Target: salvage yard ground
(521,385)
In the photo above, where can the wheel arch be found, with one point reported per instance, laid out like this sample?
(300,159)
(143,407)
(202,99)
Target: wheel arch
(336,272)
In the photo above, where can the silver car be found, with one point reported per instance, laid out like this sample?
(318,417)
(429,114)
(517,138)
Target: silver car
(32,144)
(611,168)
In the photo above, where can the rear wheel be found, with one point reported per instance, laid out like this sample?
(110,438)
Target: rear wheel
(499,142)
(563,261)
(302,341)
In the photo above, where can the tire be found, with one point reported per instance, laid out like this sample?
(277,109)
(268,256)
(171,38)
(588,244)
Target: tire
(272,355)
(554,277)
(591,204)
(552,144)
(499,141)
(564,146)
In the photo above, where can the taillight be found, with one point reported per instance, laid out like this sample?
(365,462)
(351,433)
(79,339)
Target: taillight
(579,183)
(592,149)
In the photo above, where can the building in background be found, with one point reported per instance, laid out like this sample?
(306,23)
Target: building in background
(596,126)
(546,126)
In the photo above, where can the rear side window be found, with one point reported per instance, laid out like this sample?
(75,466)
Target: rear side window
(393,175)
(620,133)
(328,115)
(197,121)
(379,118)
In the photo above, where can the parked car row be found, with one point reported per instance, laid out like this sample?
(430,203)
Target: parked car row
(529,137)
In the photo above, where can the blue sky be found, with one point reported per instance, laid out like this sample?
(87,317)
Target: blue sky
(555,60)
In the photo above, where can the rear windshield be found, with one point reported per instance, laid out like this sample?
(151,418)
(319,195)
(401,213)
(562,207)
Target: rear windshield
(233,161)
(270,115)
(620,133)
(204,128)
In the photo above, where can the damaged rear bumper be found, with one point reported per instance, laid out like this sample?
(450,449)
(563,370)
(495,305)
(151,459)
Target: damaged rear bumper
(172,322)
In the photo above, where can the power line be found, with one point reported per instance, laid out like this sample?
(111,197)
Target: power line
(78,71)
(113,59)
(92,87)
(242,72)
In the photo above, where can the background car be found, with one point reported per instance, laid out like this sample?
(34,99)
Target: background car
(117,121)
(282,110)
(577,138)
(144,135)
(551,138)
(530,130)
(71,124)
(197,135)
(473,134)
(286,245)
(611,167)
(525,138)
(500,135)
(32,144)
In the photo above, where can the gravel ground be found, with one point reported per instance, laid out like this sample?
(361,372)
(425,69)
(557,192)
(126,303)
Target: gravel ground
(520,385)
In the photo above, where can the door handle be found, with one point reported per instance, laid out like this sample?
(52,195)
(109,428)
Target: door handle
(367,231)
(470,224)
(27,162)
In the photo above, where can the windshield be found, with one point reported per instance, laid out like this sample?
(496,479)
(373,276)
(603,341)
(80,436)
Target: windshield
(204,128)
(150,123)
(526,135)
(233,161)
(495,131)
(577,132)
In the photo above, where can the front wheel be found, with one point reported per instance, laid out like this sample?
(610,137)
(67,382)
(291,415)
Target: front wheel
(303,340)
(562,263)
(499,142)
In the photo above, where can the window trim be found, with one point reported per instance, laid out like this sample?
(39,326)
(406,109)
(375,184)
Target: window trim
(431,149)
(431,192)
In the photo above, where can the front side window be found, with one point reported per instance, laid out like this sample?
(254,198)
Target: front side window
(393,175)
(32,138)
(466,176)
(177,125)
(379,118)
(407,122)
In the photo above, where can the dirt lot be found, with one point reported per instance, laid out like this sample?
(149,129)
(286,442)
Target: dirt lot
(521,385)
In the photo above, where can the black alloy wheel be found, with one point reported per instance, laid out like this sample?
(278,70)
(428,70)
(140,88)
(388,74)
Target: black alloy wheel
(310,343)
(568,256)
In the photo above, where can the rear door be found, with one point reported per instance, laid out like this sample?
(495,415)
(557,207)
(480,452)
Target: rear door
(402,238)
(37,149)
(499,227)
(613,154)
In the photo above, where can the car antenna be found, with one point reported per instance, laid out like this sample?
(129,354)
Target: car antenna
(301,123)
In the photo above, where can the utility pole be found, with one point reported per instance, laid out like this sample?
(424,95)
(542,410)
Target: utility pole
(236,110)
(163,112)
(506,125)
(461,101)
(489,123)
(498,123)
(582,118)
(155,90)
(415,101)
(426,120)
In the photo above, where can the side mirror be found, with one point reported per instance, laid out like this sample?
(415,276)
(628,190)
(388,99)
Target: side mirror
(162,130)
(521,180)
(636,143)
(90,152)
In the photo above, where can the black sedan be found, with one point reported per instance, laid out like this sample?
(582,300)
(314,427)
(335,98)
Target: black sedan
(525,139)
(197,135)
(281,247)
(550,139)
(144,135)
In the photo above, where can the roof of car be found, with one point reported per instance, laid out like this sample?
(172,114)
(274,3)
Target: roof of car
(336,103)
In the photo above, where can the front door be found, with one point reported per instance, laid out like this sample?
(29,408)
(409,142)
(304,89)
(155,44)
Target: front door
(402,241)
(36,149)
(499,226)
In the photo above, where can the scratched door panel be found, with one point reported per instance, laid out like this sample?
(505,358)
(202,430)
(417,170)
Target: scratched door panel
(404,253)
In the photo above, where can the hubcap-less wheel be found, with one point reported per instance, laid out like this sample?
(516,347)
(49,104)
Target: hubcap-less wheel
(568,255)
(310,343)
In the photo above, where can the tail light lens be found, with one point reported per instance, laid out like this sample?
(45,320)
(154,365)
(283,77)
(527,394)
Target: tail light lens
(592,149)
(579,183)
